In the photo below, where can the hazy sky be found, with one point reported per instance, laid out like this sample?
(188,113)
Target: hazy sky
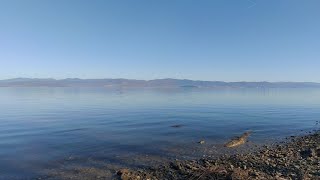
(230,40)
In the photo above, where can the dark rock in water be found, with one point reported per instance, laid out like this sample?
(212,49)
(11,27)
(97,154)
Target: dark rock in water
(201,142)
(177,126)
(238,140)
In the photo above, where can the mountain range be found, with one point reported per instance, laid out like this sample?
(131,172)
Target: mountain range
(157,83)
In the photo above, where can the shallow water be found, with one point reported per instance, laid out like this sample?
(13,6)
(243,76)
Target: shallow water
(42,127)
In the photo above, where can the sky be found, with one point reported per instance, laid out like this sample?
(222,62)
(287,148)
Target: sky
(227,40)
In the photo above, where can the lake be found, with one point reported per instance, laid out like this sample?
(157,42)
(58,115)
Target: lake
(44,129)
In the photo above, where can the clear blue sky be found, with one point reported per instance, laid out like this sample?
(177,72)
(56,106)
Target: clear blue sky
(230,40)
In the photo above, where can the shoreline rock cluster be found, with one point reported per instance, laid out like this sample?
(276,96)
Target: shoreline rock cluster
(297,158)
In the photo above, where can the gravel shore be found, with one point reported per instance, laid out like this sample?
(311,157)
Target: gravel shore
(297,158)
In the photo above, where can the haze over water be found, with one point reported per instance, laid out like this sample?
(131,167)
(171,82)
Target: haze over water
(42,126)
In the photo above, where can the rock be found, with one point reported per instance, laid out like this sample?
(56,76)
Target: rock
(192,167)
(280,178)
(177,126)
(176,166)
(239,174)
(123,171)
(201,142)
(316,152)
(308,153)
(124,174)
(238,141)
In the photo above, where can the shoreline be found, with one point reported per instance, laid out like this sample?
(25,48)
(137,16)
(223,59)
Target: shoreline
(297,158)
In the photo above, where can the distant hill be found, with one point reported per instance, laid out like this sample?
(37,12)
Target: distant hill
(157,83)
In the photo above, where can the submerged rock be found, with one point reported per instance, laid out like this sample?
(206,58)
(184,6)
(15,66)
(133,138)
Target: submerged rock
(238,140)
(177,126)
(126,174)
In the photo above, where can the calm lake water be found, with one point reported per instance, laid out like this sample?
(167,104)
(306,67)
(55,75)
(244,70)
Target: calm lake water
(42,128)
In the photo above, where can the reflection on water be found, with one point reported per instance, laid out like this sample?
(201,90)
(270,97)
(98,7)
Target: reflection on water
(41,127)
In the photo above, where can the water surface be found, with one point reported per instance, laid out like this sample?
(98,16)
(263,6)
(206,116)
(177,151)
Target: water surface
(41,127)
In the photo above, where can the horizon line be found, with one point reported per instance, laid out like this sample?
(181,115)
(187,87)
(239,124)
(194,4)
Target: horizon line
(59,79)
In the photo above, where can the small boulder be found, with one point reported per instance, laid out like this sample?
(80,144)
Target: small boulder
(177,126)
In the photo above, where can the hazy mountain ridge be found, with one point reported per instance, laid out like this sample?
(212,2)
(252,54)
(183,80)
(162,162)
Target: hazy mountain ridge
(157,83)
